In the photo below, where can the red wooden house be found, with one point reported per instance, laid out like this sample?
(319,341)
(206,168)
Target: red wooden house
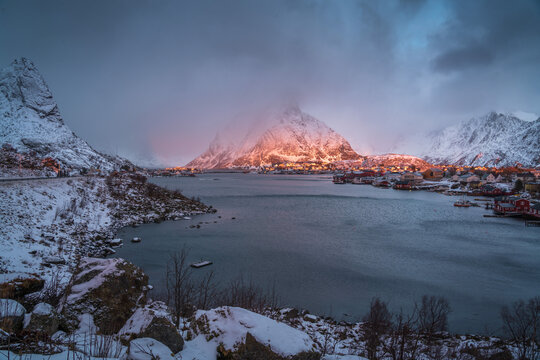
(534,211)
(522,205)
(511,206)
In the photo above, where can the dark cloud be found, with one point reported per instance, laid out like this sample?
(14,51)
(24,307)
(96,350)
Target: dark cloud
(486,32)
(463,58)
(162,77)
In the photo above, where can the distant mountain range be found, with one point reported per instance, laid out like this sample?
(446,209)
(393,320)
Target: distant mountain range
(494,139)
(31,122)
(290,136)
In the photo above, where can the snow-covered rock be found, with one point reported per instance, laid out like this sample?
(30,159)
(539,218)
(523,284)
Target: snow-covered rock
(11,315)
(290,136)
(494,139)
(43,318)
(153,321)
(30,121)
(110,289)
(229,326)
(148,349)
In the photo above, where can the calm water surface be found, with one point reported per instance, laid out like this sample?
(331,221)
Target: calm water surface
(331,248)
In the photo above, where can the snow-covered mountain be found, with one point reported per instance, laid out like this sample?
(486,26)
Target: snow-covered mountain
(290,136)
(31,122)
(495,139)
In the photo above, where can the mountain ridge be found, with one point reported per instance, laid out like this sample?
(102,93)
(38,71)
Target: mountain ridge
(30,121)
(495,139)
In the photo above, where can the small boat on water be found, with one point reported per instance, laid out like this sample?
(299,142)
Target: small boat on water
(136,240)
(201,264)
(462,203)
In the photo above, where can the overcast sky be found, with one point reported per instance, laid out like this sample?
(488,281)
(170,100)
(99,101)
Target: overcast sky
(161,77)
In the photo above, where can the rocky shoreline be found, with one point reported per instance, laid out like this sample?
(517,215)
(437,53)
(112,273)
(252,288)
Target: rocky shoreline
(48,225)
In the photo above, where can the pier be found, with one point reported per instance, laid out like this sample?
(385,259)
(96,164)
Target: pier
(532,223)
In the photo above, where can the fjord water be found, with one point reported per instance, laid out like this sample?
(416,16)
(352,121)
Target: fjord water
(331,248)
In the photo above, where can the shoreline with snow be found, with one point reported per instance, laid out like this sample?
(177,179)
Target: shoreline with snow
(47,224)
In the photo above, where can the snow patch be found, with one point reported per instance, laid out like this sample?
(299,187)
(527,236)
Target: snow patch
(233,323)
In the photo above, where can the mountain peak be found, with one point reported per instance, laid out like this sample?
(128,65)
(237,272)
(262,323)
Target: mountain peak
(23,63)
(30,121)
(25,82)
(294,137)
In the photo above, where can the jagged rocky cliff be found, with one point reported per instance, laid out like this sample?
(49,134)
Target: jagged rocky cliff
(31,122)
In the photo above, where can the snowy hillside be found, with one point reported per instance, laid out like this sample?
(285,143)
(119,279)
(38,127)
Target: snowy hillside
(291,136)
(388,160)
(31,122)
(495,139)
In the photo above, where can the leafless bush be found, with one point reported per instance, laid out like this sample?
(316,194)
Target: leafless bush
(329,342)
(404,338)
(68,210)
(104,346)
(248,295)
(179,286)
(399,336)
(184,294)
(206,292)
(433,315)
(53,290)
(521,322)
(377,322)
(147,350)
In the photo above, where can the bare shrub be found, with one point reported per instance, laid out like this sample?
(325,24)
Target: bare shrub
(53,290)
(521,323)
(404,339)
(206,292)
(179,286)
(377,323)
(433,315)
(248,295)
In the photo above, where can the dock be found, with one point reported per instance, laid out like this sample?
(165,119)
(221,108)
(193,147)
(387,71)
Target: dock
(532,223)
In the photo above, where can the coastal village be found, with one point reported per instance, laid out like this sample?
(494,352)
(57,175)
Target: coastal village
(509,191)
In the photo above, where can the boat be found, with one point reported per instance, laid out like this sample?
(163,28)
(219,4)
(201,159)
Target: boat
(201,264)
(136,240)
(339,179)
(462,203)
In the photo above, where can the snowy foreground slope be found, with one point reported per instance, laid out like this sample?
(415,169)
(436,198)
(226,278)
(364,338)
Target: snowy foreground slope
(494,139)
(55,220)
(30,121)
(290,136)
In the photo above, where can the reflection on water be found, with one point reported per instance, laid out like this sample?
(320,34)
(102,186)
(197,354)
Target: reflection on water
(331,248)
